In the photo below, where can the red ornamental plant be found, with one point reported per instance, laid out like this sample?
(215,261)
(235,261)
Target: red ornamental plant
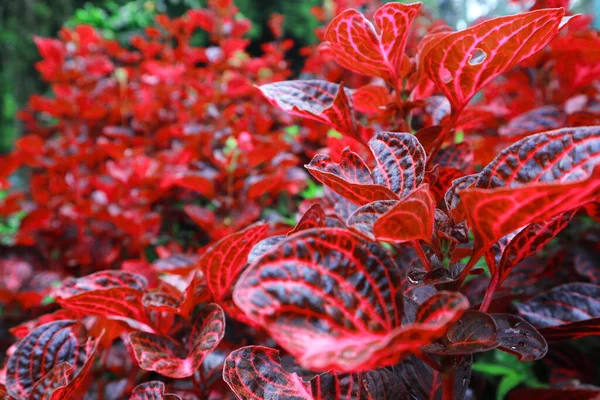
(378,292)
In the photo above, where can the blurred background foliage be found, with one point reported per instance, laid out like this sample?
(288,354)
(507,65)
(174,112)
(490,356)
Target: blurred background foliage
(20,20)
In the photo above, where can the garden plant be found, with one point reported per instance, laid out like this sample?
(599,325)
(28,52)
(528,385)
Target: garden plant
(413,216)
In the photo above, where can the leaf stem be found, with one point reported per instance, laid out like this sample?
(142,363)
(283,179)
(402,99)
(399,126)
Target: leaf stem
(421,253)
(489,294)
(465,272)
(448,385)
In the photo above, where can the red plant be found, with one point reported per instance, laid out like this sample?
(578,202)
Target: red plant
(451,151)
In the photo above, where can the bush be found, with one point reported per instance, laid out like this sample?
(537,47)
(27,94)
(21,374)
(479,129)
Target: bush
(159,255)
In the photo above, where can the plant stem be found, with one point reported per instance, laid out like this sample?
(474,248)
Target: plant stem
(424,260)
(448,385)
(465,272)
(489,294)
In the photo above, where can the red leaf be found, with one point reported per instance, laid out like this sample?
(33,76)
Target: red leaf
(452,199)
(555,156)
(371,99)
(350,178)
(565,304)
(176,360)
(518,337)
(473,332)
(534,121)
(101,280)
(462,63)
(120,303)
(314,217)
(321,101)
(410,219)
(337,324)
(223,262)
(533,180)
(459,156)
(400,161)
(423,382)
(255,372)
(153,390)
(363,218)
(527,242)
(494,213)
(357,46)
(48,359)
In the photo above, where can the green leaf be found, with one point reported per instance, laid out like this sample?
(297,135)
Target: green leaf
(508,383)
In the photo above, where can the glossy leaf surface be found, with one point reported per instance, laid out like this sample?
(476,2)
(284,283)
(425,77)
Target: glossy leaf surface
(310,293)
(350,178)
(63,350)
(412,218)
(461,63)
(223,262)
(255,372)
(322,101)
(179,360)
(153,390)
(358,45)
(519,337)
(473,332)
(568,303)
(400,161)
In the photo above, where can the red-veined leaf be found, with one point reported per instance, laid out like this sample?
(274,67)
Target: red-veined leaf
(314,217)
(153,390)
(310,293)
(533,180)
(400,161)
(519,337)
(101,280)
(120,303)
(410,219)
(177,360)
(423,382)
(494,213)
(461,63)
(537,120)
(574,330)
(452,199)
(263,246)
(587,264)
(428,137)
(561,155)
(460,156)
(47,347)
(363,218)
(255,372)
(64,379)
(473,332)
(571,310)
(223,262)
(321,101)
(350,178)
(356,45)
(371,99)
(527,242)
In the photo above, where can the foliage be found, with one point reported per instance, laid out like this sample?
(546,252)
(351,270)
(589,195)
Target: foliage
(163,183)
